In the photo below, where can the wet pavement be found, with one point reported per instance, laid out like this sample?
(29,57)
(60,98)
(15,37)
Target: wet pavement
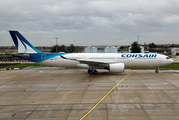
(68,94)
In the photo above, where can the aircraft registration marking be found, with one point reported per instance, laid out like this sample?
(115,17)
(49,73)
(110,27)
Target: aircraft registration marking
(103,98)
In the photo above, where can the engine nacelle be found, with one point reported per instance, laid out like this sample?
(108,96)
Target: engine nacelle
(116,67)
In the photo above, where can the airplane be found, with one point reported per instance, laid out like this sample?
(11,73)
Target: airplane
(113,62)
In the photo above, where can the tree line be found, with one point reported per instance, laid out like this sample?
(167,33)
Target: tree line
(67,49)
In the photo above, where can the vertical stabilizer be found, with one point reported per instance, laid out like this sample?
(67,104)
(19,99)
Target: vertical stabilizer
(22,45)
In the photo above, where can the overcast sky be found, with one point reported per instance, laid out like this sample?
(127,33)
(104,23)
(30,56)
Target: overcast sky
(90,22)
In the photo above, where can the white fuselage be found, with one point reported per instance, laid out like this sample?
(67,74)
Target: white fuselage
(129,59)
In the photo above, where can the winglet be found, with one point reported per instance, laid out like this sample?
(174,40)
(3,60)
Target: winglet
(67,58)
(22,45)
(63,57)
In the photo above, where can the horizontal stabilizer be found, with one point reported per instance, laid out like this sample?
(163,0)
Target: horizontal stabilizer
(25,56)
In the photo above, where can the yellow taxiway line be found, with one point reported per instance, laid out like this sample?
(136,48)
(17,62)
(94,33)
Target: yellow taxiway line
(9,77)
(103,98)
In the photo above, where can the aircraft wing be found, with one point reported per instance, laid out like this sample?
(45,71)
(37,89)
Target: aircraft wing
(86,61)
(92,62)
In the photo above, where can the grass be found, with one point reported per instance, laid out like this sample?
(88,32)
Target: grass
(22,65)
(45,50)
(173,66)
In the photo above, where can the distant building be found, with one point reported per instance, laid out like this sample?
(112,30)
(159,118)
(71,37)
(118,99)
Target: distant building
(91,49)
(110,49)
(175,51)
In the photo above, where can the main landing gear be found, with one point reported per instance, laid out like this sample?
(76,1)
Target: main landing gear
(92,71)
(157,70)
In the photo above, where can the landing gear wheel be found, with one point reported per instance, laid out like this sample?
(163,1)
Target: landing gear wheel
(90,71)
(157,71)
(96,72)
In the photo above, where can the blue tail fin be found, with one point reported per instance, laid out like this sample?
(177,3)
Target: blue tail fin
(22,45)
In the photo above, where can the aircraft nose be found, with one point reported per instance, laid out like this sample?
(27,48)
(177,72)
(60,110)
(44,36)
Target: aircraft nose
(172,60)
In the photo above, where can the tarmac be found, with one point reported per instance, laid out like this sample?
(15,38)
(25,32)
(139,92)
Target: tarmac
(73,94)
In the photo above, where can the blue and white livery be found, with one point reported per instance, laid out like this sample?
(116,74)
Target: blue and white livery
(114,62)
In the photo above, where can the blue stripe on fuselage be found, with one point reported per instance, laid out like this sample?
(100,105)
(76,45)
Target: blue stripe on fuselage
(40,57)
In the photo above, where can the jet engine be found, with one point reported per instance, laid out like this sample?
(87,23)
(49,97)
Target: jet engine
(116,67)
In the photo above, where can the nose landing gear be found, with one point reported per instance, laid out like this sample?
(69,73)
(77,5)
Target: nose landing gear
(92,71)
(157,70)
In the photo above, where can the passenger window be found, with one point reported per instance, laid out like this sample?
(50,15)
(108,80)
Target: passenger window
(167,58)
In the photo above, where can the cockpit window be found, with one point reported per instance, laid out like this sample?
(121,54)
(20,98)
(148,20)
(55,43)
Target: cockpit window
(167,57)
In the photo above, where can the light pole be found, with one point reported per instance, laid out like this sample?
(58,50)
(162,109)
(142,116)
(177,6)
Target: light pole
(56,45)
